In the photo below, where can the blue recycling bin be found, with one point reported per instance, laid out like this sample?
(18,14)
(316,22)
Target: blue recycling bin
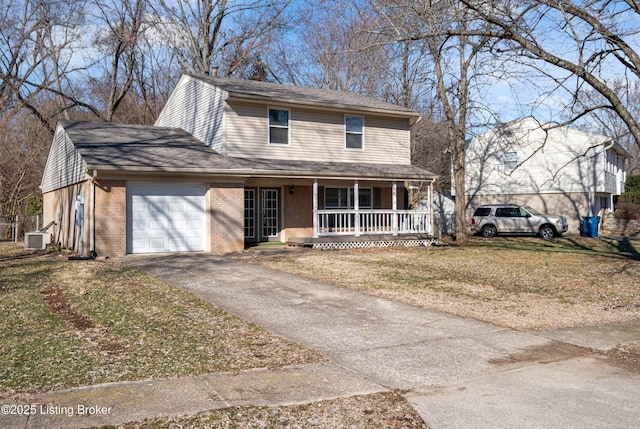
(590,226)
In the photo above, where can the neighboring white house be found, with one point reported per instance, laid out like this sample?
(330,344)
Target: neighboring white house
(554,169)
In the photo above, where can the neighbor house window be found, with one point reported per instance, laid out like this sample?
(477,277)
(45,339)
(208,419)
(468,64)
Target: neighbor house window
(278,126)
(509,161)
(354,132)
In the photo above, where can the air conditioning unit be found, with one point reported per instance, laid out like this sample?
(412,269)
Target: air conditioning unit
(36,240)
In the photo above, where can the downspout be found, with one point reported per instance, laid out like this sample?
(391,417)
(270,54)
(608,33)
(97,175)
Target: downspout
(92,228)
(592,189)
(93,253)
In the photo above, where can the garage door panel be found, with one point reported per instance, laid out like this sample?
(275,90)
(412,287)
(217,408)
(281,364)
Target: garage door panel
(165,218)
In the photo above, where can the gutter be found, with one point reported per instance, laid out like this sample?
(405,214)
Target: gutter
(253,173)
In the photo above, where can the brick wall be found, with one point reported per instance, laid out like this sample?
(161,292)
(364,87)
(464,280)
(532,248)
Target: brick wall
(226,217)
(298,212)
(111,218)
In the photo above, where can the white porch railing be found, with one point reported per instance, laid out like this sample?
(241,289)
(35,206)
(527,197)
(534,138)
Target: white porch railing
(359,222)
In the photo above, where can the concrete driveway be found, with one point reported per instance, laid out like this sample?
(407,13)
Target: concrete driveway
(456,372)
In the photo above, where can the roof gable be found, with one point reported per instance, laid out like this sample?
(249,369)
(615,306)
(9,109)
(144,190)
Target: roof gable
(64,166)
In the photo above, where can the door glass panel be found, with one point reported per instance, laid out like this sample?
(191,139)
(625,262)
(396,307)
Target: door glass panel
(249,213)
(269,212)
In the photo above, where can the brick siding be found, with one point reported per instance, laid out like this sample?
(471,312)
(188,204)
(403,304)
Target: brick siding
(111,218)
(226,217)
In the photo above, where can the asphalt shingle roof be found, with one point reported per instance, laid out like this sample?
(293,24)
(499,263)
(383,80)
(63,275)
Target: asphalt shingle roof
(145,148)
(274,92)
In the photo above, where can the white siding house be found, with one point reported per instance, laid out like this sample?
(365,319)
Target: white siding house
(555,169)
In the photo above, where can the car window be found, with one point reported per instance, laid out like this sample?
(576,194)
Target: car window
(521,212)
(482,211)
(532,211)
(503,212)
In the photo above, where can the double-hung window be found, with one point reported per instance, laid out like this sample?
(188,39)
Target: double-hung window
(344,198)
(279,126)
(354,132)
(509,161)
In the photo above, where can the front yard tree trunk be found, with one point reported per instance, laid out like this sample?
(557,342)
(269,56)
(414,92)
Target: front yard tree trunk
(460,189)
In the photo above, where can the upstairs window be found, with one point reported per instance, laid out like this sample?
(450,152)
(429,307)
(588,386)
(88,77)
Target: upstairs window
(509,161)
(354,132)
(279,126)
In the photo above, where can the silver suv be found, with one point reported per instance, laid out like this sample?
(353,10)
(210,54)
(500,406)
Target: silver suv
(492,219)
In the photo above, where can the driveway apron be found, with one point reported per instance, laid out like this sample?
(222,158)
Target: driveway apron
(449,366)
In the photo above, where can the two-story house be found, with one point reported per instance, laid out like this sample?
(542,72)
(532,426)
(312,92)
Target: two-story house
(230,162)
(554,169)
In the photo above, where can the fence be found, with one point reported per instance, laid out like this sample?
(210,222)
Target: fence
(13,228)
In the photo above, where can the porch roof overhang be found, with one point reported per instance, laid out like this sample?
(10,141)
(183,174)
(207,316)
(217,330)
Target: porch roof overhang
(283,170)
(134,149)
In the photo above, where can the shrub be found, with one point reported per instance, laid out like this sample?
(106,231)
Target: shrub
(629,198)
(625,210)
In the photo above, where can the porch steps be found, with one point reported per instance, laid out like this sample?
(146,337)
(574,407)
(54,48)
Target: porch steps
(353,242)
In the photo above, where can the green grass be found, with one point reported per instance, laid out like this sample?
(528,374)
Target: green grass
(113,322)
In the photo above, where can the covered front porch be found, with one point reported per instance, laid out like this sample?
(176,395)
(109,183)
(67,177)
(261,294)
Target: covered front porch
(337,213)
(364,220)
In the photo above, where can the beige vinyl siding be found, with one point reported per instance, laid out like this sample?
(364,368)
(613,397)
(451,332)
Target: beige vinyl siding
(315,135)
(197,108)
(64,166)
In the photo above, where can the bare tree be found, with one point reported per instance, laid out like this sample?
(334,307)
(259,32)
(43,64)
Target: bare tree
(593,40)
(24,142)
(110,71)
(22,33)
(608,122)
(217,33)
(455,41)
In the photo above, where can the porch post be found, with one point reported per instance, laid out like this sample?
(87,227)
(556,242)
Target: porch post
(431,216)
(315,208)
(356,206)
(394,206)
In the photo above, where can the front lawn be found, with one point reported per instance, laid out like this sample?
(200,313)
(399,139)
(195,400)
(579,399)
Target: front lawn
(520,283)
(71,323)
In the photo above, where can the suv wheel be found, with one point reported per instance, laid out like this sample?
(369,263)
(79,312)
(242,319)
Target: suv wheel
(547,232)
(489,231)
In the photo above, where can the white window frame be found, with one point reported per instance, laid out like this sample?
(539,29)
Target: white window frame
(347,132)
(509,160)
(288,127)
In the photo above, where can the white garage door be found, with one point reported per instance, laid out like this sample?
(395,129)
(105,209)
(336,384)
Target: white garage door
(165,217)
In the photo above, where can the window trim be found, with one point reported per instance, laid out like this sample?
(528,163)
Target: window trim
(507,163)
(288,127)
(361,133)
(350,198)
